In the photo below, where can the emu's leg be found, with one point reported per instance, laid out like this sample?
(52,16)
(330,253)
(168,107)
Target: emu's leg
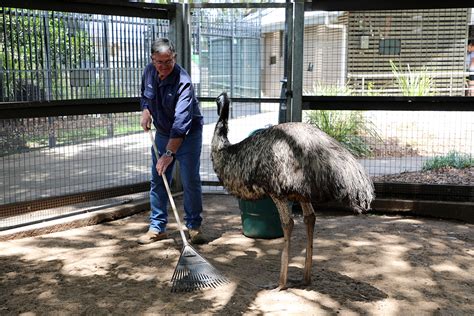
(287,224)
(309,220)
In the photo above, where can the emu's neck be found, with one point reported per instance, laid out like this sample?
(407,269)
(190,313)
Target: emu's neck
(220,139)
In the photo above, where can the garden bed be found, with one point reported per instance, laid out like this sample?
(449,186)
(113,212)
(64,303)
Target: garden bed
(440,176)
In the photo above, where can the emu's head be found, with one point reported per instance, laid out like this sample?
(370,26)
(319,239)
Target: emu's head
(223,103)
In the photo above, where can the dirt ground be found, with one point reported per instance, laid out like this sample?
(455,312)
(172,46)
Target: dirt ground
(362,265)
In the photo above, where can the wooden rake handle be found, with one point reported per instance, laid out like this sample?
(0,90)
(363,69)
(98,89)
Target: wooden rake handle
(165,181)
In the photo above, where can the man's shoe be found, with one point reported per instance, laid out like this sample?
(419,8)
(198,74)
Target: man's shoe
(196,236)
(150,237)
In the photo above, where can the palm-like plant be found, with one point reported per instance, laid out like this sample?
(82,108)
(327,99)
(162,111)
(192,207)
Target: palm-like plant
(347,127)
(412,83)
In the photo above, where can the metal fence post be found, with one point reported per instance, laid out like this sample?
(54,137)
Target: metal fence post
(285,105)
(47,82)
(181,37)
(297,61)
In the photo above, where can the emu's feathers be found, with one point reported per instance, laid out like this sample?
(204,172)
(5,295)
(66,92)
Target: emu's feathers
(294,161)
(289,162)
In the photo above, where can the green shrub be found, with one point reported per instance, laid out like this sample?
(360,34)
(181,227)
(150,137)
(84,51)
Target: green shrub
(412,83)
(347,127)
(371,90)
(452,159)
(328,90)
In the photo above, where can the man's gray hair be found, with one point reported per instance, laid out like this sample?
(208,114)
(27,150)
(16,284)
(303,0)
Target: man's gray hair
(162,45)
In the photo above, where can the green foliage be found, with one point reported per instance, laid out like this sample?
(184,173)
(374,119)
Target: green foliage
(412,83)
(452,159)
(120,127)
(132,125)
(113,126)
(329,90)
(69,46)
(371,90)
(347,127)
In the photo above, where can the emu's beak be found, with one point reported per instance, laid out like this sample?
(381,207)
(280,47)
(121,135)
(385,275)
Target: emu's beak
(220,100)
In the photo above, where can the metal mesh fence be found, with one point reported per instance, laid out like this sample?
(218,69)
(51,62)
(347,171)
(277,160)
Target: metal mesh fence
(56,156)
(48,55)
(241,51)
(394,53)
(386,53)
(228,54)
(397,145)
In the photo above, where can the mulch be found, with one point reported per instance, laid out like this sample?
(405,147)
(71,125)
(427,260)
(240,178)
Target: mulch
(440,176)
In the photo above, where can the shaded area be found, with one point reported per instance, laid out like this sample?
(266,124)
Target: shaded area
(362,265)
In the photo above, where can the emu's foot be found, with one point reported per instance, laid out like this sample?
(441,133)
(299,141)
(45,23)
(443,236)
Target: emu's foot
(270,286)
(303,283)
(281,287)
(274,287)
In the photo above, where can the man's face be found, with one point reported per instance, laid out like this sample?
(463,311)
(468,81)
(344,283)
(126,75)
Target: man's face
(470,48)
(164,63)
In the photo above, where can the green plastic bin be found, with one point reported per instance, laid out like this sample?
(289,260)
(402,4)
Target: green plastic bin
(260,219)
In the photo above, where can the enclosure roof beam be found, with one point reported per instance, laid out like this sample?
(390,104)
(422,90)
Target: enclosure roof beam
(122,8)
(242,5)
(351,5)
(388,103)
(9,110)
(27,109)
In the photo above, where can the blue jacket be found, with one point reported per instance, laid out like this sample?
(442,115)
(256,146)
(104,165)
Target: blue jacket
(172,103)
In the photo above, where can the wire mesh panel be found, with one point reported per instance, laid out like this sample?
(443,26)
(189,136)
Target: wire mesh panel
(397,52)
(226,52)
(44,157)
(59,156)
(394,53)
(391,144)
(228,55)
(60,160)
(48,55)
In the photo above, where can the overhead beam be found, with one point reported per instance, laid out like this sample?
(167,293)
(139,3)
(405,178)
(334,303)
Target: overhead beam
(388,103)
(122,8)
(9,110)
(351,5)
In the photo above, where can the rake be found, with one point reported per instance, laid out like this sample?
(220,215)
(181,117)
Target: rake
(193,272)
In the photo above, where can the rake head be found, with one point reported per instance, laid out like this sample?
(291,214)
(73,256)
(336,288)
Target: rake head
(193,272)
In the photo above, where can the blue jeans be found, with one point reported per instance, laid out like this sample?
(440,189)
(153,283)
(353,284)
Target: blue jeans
(189,157)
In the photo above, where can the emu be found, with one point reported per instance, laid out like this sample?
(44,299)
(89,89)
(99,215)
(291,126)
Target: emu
(289,162)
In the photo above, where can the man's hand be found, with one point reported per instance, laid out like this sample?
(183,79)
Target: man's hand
(145,120)
(163,164)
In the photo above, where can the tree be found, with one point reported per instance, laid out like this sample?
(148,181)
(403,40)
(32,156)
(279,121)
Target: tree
(36,49)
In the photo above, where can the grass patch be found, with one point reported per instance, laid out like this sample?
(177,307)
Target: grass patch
(453,159)
(71,132)
(328,90)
